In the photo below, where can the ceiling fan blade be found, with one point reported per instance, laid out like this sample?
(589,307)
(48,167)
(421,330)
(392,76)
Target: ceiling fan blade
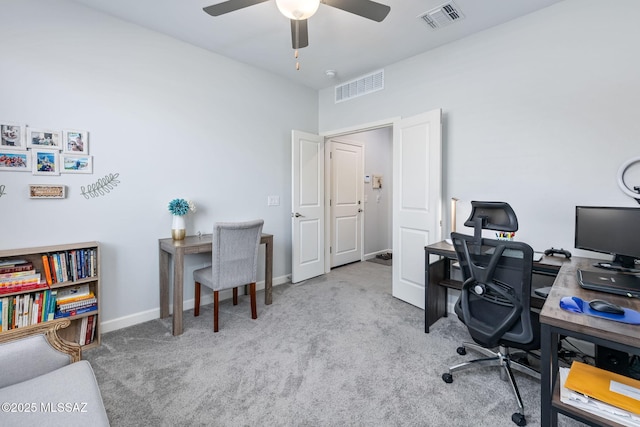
(230,6)
(299,34)
(365,8)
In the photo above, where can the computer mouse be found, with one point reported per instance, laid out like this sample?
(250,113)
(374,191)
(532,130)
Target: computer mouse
(605,306)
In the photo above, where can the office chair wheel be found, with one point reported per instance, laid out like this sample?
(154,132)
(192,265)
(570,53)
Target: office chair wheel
(447,378)
(461,351)
(518,418)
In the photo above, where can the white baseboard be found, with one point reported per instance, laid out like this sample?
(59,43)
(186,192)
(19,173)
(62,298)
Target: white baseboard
(373,254)
(144,316)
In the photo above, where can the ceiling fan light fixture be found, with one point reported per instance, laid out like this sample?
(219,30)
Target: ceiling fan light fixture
(298,9)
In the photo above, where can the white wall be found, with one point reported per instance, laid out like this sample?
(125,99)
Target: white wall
(539,112)
(172,119)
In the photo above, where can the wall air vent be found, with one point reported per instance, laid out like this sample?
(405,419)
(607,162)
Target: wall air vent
(361,86)
(442,15)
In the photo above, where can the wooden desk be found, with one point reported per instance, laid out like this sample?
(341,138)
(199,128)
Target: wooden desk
(438,280)
(556,321)
(195,245)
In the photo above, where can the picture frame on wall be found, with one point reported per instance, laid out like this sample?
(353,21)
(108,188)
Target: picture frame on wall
(76,163)
(15,161)
(45,162)
(75,141)
(42,138)
(12,136)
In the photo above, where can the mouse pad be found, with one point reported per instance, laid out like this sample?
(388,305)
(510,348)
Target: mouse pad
(578,305)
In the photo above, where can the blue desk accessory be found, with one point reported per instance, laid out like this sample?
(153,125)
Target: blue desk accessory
(578,305)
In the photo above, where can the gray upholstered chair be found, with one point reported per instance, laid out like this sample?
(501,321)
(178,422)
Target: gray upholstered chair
(234,264)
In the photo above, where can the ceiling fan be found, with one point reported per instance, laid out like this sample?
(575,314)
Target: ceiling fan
(298,11)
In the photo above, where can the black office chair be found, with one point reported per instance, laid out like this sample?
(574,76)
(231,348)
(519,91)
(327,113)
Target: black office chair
(495,297)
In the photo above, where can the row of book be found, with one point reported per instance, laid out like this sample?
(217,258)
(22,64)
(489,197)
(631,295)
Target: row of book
(30,308)
(18,276)
(87,330)
(70,265)
(27,309)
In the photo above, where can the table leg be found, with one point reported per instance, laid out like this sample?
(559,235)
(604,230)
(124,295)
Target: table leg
(547,363)
(268,271)
(178,276)
(164,259)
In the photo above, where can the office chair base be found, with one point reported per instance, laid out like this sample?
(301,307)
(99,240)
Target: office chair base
(503,359)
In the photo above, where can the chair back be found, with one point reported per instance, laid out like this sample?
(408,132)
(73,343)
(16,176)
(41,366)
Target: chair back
(494,302)
(235,253)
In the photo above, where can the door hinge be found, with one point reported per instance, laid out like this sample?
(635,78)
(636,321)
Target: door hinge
(330,250)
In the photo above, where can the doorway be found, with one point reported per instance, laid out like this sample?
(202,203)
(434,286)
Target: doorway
(416,205)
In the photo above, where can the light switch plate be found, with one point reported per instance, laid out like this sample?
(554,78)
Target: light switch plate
(273,200)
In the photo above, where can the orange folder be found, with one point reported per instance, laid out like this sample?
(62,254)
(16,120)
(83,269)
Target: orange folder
(597,383)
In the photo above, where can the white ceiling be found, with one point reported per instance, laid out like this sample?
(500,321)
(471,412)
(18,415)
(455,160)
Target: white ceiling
(349,44)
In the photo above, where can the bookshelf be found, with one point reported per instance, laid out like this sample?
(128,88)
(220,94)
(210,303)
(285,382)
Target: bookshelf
(69,271)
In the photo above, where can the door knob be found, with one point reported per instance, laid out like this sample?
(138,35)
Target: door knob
(359,210)
(297,215)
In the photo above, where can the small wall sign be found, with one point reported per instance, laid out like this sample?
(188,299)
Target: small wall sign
(44,191)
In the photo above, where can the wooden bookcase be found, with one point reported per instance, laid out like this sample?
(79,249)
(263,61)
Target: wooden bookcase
(34,255)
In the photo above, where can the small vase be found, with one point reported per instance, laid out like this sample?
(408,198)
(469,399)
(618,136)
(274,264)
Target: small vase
(178,227)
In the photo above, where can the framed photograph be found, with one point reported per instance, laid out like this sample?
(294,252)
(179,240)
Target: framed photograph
(17,161)
(76,163)
(38,138)
(12,136)
(75,141)
(45,162)
(46,191)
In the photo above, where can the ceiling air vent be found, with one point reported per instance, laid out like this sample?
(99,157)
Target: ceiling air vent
(442,15)
(361,86)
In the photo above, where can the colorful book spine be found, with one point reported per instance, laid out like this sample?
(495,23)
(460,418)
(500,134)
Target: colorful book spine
(83,310)
(77,304)
(47,270)
(16,268)
(51,307)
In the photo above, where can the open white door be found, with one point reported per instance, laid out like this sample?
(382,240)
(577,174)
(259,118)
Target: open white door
(307,210)
(347,172)
(417,193)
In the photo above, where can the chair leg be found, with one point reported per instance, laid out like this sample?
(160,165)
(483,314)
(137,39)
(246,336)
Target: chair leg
(252,294)
(215,311)
(196,306)
(235,296)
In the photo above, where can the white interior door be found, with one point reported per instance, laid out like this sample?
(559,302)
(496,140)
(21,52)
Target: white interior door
(307,211)
(347,174)
(417,194)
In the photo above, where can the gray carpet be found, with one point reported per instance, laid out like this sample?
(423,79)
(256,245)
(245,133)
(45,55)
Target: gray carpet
(337,350)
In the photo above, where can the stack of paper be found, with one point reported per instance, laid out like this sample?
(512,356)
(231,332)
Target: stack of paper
(601,393)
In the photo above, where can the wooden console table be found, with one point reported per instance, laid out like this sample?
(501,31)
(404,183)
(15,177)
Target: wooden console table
(195,245)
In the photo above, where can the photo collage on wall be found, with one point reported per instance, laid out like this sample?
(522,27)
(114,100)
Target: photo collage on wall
(44,151)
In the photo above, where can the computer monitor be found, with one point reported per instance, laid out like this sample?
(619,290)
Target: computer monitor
(610,230)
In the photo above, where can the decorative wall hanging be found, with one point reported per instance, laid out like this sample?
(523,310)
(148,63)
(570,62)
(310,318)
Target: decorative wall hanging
(45,162)
(44,151)
(38,138)
(45,191)
(72,163)
(75,141)
(2,193)
(12,136)
(101,187)
(16,161)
